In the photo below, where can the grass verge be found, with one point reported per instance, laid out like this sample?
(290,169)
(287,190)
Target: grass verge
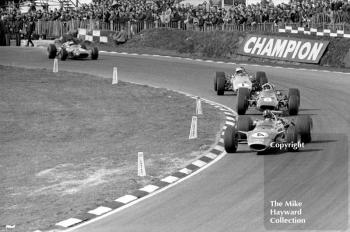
(69,142)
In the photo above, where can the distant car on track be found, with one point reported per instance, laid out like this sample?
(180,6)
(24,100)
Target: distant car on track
(241,79)
(268,99)
(271,132)
(72,50)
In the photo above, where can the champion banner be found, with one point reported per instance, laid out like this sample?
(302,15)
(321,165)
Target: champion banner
(283,48)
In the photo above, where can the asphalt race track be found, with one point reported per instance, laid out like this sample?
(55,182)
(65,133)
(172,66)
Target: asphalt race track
(229,196)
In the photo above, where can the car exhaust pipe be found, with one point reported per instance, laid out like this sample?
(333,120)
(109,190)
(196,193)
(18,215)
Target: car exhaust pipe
(258,147)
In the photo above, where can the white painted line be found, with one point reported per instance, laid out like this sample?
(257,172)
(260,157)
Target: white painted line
(219,148)
(221,140)
(100,210)
(199,163)
(222,133)
(170,179)
(346,35)
(126,199)
(294,31)
(340,32)
(69,222)
(211,155)
(185,171)
(327,31)
(333,34)
(282,30)
(288,27)
(313,29)
(267,66)
(149,188)
(230,118)
(319,33)
(301,29)
(229,123)
(224,127)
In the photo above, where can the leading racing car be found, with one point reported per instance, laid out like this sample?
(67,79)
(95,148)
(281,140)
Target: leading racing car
(72,50)
(268,99)
(270,133)
(240,79)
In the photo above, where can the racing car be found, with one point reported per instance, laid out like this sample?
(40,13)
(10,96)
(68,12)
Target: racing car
(241,79)
(268,99)
(263,135)
(71,49)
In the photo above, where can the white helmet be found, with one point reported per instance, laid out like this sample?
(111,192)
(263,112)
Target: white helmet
(239,70)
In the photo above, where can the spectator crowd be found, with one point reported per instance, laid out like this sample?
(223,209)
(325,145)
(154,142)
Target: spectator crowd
(300,12)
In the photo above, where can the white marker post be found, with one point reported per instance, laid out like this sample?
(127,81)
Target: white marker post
(193,131)
(9,227)
(55,65)
(199,110)
(115,76)
(141,170)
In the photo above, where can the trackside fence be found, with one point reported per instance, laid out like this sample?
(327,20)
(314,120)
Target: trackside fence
(54,29)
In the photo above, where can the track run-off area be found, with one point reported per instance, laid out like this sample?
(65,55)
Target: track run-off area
(231,194)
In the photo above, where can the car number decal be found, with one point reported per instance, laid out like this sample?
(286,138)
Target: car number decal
(259,135)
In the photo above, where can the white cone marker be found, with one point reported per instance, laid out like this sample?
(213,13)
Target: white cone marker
(115,76)
(199,110)
(141,170)
(193,131)
(55,65)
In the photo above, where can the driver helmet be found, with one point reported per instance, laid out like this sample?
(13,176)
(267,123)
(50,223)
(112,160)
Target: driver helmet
(267,86)
(267,114)
(240,70)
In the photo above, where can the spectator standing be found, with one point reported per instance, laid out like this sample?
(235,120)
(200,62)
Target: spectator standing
(30,30)
(2,33)
(17,29)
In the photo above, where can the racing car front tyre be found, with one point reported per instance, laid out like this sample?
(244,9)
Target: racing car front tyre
(231,139)
(261,78)
(293,105)
(220,83)
(52,51)
(63,54)
(245,123)
(293,91)
(94,53)
(292,137)
(218,75)
(304,126)
(242,100)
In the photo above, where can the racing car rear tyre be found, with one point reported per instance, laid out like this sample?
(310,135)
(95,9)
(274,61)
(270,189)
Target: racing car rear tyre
(52,51)
(293,91)
(94,53)
(304,126)
(220,83)
(63,54)
(245,123)
(231,139)
(292,138)
(242,100)
(261,78)
(293,105)
(218,75)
